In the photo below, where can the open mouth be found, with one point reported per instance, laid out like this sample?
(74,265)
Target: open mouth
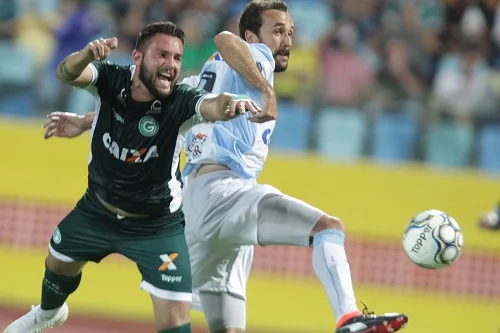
(165,78)
(284,54)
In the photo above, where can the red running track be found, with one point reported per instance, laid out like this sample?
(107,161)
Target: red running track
(83,324)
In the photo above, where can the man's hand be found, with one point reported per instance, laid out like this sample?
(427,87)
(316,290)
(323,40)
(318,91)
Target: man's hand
(75,70)
(226,106)
(240,104)
(101,48)
(269,108)
(64,125)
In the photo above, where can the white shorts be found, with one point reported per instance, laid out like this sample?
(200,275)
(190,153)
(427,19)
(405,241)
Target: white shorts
(226,216)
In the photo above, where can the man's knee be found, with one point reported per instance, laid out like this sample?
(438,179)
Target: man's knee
(63,268)
(328,222)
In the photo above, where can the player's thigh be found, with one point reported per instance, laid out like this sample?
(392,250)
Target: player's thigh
(163,260)
(170,314)
(262,215)
(219,267)
(284,220)
(81,237)
(224,312)
(214,210)
(220,207)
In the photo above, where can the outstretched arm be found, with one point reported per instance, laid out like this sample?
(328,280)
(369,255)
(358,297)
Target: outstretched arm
(212,108)
(67,125)
(226,106)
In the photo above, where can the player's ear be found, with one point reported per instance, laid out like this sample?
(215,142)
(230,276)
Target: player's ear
(136,56)
(251,37)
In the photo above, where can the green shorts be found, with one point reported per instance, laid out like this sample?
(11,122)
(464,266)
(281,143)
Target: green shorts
(90,233)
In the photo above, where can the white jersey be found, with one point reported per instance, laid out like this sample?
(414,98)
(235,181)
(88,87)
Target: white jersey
(239,144)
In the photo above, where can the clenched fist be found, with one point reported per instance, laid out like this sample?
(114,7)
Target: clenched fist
(101,48)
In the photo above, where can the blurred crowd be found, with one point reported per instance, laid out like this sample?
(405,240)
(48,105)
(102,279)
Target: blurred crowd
(431,65)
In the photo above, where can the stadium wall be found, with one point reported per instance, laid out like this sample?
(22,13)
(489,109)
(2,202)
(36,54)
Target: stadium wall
(41,181)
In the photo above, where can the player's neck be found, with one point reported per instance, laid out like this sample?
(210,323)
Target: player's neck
(140,93)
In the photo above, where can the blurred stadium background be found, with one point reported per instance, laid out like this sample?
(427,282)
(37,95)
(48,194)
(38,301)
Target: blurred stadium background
(388,108)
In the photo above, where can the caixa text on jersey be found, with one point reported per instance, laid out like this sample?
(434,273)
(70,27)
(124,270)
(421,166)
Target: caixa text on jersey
(140,155)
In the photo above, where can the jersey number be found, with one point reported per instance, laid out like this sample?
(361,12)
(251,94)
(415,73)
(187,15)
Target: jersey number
(207,81)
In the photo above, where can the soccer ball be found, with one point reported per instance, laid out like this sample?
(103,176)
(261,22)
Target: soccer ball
(433,239)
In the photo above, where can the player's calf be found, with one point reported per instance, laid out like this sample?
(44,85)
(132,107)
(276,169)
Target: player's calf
(331,267)
(171,316)
(60,280)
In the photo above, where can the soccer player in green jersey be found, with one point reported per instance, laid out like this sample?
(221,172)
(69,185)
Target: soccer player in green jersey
(132,205)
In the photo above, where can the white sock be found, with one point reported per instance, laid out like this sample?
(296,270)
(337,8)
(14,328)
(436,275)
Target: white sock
(331,268)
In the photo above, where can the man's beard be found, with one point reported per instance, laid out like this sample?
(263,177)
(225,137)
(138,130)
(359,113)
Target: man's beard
(278,67)
(148,79)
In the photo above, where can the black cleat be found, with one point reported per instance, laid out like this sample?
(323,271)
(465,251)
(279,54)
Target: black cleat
(368,322)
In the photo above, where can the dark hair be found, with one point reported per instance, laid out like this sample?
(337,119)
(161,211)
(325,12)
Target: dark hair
(167,28)
(251,18)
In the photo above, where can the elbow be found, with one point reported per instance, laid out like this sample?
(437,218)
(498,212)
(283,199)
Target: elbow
(223,38)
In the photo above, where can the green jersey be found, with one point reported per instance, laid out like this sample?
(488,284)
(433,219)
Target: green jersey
(135,149)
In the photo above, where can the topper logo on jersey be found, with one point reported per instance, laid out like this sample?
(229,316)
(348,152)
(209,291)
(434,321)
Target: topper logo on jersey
(140,155)
(148,126)
(168,262)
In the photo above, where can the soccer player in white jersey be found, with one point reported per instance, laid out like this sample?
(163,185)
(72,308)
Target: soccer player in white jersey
(227,212)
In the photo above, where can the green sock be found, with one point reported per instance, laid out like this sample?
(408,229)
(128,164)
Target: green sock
(56,289)
(181,329)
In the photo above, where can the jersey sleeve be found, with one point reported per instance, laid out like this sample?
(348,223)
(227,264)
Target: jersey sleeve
(107,75)
(189,102)
(100,73)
